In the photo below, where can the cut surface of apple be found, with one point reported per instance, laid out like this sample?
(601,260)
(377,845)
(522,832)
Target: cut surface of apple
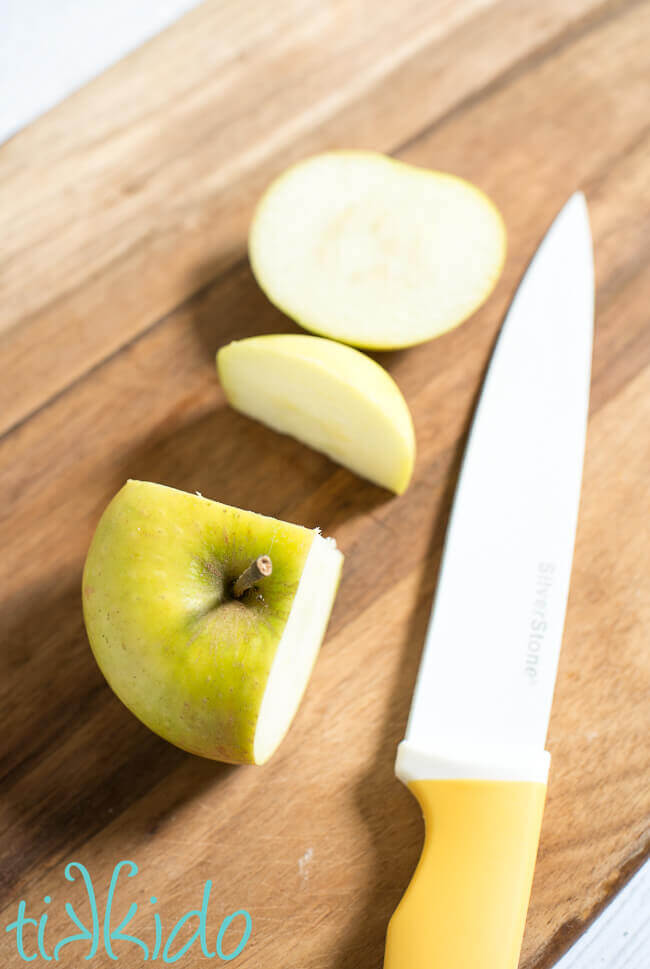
(217,675)
(365,249)
(327,395)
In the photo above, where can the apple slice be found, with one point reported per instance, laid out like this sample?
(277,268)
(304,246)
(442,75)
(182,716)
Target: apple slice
(374,252)
(214,669)
(327,395)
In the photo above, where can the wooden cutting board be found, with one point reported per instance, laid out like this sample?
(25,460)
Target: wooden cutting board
(124,214)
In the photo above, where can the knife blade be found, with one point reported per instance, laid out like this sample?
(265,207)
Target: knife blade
(474,753)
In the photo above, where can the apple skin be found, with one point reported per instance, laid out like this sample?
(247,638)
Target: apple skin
(185,658)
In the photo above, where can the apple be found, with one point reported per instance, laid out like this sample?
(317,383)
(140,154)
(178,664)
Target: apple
(371,251)
(328,395)
(206,620)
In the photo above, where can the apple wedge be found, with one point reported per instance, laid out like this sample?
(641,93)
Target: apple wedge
(359,247)
(327,395)
(205,619)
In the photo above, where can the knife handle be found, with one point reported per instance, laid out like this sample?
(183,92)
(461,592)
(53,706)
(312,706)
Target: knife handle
(466,904)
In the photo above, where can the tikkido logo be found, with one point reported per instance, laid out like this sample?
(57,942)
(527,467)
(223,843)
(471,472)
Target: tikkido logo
(31,932)
(538,623)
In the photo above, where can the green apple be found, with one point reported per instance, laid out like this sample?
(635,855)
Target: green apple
(374,252)
(327,395)
(217,673)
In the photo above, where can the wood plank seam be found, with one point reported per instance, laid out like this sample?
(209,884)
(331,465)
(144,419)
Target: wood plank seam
(591,22)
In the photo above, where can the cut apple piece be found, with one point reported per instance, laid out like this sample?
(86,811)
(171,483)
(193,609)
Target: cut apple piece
(327,395)
(218,674)
(359,247)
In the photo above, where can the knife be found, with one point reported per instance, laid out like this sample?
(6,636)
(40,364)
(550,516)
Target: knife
(474,753)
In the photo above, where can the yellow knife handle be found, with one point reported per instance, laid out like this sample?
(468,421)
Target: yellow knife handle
(465,907)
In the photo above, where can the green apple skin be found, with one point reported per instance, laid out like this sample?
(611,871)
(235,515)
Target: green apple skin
(182,655)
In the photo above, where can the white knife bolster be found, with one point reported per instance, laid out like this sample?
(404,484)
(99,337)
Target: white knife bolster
(489,763)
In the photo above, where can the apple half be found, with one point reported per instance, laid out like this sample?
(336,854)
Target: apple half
(368,250)
(327,395)
(218,675)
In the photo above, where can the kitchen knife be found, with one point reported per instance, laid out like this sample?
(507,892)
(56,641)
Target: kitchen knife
(474,752)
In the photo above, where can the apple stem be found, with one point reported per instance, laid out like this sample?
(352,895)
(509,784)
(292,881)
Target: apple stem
(259,569)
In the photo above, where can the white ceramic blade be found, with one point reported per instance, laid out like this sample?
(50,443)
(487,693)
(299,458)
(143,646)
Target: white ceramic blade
(488,670)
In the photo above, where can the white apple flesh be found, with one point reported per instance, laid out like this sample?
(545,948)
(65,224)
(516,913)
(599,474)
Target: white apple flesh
(327,395)
(368,250)
(216,675)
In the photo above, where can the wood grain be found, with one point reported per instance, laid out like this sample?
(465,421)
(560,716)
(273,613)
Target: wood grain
(111,224)
(124,213)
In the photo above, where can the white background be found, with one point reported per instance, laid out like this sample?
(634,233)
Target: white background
(49,48)
(620,937)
